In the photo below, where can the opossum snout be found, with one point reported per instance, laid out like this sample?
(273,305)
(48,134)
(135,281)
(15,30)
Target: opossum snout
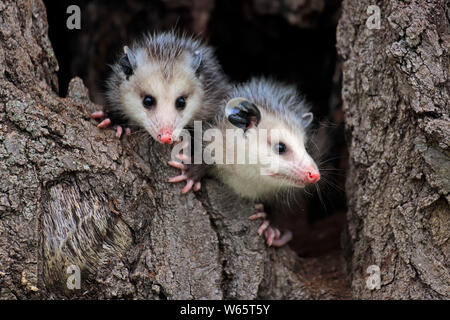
(312,176)
(165,136)
(308,175)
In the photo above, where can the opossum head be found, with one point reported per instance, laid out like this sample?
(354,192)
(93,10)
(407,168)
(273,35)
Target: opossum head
(161,93)
(277,145)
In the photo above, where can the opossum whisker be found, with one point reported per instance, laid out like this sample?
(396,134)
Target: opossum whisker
(321,162)
(319,193)
(332,184)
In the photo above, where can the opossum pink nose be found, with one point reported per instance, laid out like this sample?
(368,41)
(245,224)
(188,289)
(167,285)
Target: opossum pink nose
(312,177)
(165,137)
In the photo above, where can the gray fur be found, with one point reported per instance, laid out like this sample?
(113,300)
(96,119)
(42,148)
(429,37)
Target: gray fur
(166,48)
(279,101)
(282,101)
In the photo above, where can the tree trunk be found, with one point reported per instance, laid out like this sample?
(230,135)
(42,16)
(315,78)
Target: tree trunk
(73,196)
(396,100)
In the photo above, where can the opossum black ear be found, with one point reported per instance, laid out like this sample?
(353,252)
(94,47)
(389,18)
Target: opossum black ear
(127,62)
(126,65)
(242,113)
(197,60)
(307,118)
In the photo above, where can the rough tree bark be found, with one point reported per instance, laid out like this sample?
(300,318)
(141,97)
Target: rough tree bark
(71,194)
(396,100)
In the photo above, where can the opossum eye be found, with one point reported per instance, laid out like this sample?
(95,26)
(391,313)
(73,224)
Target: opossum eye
(279,148)
(149,101)
(180,103)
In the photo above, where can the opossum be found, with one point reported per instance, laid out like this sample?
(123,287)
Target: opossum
(161,83)
(252,109)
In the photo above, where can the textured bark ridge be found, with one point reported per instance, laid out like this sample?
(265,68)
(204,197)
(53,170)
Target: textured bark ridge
(71,194)
(74,195)
(396,100)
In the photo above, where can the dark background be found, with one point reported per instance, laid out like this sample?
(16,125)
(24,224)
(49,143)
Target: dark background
(259,37)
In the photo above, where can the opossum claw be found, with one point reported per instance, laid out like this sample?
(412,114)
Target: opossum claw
(177,165)
(259,207)
(260,214)
(188,186)
(98,115)
(179,178)
(281,241)
(188,172)
(105,123)
(257,215)
(183,157)
(277,233)
(263,227)
(190,183)
(119,131)
(269,234)
(197,186)
(273,236)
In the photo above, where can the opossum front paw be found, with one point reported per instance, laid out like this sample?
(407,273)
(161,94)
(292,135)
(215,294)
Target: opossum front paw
(187,174)
(106,122)
(191,173)
(272,235)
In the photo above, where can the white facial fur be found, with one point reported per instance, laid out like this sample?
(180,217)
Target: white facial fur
(165,83)
(290,170)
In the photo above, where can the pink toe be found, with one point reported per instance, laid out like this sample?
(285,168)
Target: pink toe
(183,157)
(263,227)
(177,165)
(178,178)
(197,186)
(277,233)
(257,215)
(119,131)
(184,145)
(259,207)
(270,236)
(98,115)
(104,123)
(285,238)
(188,186)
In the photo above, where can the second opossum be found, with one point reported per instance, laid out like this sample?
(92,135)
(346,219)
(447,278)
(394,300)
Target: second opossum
(161,83)
(258,109)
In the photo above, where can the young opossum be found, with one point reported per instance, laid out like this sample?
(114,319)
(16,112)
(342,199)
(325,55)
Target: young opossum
(161,83)
(257,107)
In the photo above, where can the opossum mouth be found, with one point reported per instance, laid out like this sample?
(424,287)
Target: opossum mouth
(285,177)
